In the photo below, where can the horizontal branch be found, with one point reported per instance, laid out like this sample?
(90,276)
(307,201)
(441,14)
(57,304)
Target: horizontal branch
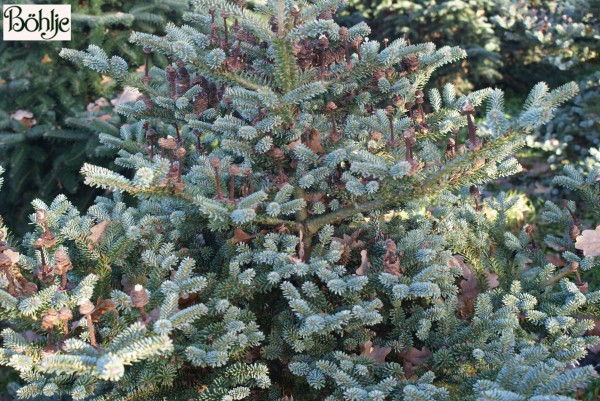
(313,225)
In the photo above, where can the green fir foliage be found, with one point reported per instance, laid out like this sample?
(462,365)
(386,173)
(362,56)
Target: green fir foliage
(298,216)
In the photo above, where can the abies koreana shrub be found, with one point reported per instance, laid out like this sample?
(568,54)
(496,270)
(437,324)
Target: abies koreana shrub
(300,218)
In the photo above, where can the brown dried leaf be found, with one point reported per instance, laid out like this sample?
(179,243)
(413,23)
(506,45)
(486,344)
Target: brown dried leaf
(315,141)
(129,94)
(29,289)
(105,80)
(240,235)
(12,255)
(375,352)
(350,240)
(300,245)
(589,242)
(492,280)
(391,261)
(252,355)
(364,264)
(469,287)
(21,114)
(314,197)
(292,145)
(46,59)
(102,306)
(468,293)
(25,117)
(187,300)
(556,260)
(128,284)
(413,358)
(97,232)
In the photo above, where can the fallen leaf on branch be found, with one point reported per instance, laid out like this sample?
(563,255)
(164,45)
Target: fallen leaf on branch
(102,306)
(556,260)
(292,145)
(97,232)
(97,105)
(469,287)
(240,235)
(25,117)
(413,358)
(589,242)
(314,197)
(12,255)
(375,352)
(315,141)
(348,242)
(391,260)
(252,355)
(129,94)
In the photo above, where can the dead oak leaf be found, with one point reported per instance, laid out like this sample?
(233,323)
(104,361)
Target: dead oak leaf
(240,235)
(469,286)
(556,260)
(25,117)
(292,145)
(375,352)
(251,355)
(589,242)
(12,255)
(129,94)
(97,232)
(350,240)
(413,358)
(102,306)
(391,259)
(315,141)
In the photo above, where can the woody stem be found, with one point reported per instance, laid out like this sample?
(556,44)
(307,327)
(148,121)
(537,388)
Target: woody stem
(90,325)
(225,26)
(232,187)
(43,257)
(347,51)
(333,124)
(321,64)
(471,127)
(250,183)
(47,232)
(218,183)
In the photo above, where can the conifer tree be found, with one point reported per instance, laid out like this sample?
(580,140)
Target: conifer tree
(282,243)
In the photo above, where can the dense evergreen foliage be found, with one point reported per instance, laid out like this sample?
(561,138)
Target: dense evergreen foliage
(46,133)
(300,217)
